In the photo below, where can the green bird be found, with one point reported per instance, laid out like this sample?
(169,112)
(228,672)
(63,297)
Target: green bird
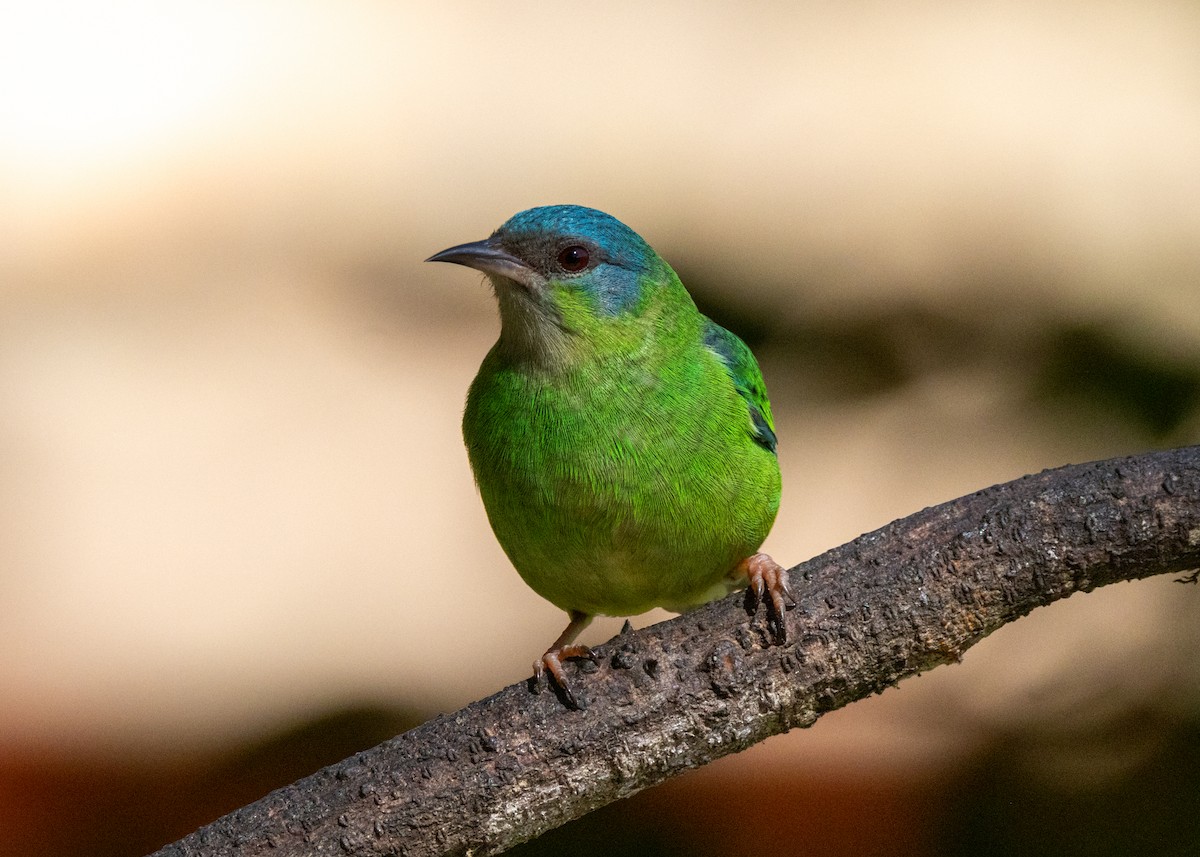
(622,442)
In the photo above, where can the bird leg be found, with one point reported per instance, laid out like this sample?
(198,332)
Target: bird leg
(564,647)
(768,584)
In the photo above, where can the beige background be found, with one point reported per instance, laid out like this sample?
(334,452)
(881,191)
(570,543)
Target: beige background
(233,490)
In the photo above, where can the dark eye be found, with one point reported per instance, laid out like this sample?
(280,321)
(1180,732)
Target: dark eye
(573,259)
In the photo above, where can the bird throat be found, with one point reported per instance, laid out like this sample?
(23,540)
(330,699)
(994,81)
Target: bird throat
(531,331)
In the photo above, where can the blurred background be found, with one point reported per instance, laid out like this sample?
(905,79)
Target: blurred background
(238,534)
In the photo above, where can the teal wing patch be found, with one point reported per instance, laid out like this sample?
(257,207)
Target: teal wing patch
(747,380)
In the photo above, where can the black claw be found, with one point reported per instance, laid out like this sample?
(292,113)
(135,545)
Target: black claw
(564,692)
(768,586)
(779,629)
(557,681)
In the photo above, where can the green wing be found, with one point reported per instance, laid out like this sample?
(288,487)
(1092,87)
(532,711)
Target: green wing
(746,377)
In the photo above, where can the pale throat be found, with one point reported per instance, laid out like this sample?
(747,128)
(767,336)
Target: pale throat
(531,332)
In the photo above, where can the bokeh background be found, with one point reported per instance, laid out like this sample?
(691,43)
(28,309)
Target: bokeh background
(238,533)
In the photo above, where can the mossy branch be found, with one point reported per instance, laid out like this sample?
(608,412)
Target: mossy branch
(888,605)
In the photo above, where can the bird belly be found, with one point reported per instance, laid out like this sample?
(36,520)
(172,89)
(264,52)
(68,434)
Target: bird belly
(616,492)
(608,561)
(605,532)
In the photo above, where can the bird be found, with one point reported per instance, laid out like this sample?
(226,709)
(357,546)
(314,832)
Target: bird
(621,441)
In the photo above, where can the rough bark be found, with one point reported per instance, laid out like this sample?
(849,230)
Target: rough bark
(891,604)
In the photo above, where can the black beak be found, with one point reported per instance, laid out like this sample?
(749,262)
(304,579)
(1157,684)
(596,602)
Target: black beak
(486,256)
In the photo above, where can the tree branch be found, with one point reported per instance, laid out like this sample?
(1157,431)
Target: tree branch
(888,605)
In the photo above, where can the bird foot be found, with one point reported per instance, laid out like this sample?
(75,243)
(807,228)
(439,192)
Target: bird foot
(551,663)
(768,585)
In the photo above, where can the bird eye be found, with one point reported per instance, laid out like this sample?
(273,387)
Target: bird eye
(573,259)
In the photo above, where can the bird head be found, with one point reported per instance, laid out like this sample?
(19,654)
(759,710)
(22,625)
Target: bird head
(560,270)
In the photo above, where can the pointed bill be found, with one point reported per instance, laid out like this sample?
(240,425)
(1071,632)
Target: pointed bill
(486,256)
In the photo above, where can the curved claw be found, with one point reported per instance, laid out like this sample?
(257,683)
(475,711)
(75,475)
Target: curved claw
(564,647)
(551,662)
(768,584)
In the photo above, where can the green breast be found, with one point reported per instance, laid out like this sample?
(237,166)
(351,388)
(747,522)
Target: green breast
(623,483)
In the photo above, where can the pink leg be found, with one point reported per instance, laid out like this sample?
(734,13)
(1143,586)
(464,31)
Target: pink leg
(768,582)
(564,647)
